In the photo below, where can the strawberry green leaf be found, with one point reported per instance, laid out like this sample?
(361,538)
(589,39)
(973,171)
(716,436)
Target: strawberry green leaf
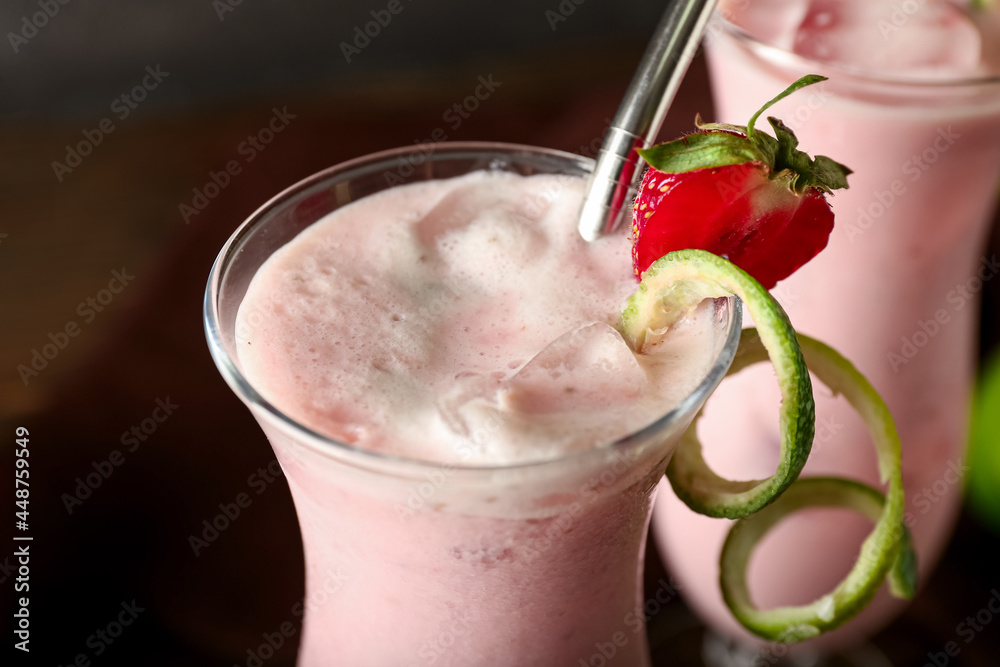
(726,127)
(718,145)
(830,173)
(807,80)
(787,157)
(822,173)
(702,150)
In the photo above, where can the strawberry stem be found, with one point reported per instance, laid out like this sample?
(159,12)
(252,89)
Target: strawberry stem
(807,80)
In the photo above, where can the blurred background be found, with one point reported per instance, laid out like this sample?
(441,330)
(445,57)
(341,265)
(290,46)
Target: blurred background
(117,123)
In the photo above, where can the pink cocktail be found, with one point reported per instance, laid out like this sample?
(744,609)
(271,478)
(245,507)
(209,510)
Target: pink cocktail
(896,290)
(471,450)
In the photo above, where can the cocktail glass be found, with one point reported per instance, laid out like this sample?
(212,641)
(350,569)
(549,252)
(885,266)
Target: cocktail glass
(414,563)
(896,291)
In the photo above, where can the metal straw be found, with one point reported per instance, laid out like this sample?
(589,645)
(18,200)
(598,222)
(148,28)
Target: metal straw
(612,185)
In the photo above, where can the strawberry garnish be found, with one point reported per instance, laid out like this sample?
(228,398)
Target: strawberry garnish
(739,193)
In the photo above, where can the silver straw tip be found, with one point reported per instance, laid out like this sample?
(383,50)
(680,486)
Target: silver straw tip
(596,217)
(610,190)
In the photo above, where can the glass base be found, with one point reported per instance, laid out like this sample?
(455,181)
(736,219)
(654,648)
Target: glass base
(720,651)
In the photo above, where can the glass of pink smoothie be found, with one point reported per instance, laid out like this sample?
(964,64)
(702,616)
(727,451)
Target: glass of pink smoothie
(511,551)
(896,290)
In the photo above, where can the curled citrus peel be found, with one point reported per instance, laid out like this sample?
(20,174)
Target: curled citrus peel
(669,289)
(886,551)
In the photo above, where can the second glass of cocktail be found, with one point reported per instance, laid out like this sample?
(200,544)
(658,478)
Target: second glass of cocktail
(896,289)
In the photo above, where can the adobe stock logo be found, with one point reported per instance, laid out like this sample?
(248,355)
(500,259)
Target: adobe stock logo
(561,13)
(363,35)
(102,470)
(87,309)
(122,107)
(249,149)
(31,25)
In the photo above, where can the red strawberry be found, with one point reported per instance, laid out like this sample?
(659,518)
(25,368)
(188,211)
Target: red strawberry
(737,192)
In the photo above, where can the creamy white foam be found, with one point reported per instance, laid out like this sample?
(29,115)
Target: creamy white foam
(461,320)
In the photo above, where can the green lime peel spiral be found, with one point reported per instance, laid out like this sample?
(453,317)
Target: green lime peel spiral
(669,289)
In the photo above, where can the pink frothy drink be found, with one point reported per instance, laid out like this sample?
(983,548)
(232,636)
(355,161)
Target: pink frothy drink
(471,446)
(912,105)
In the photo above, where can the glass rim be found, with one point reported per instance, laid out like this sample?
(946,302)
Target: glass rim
(782,56)
(374,162)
